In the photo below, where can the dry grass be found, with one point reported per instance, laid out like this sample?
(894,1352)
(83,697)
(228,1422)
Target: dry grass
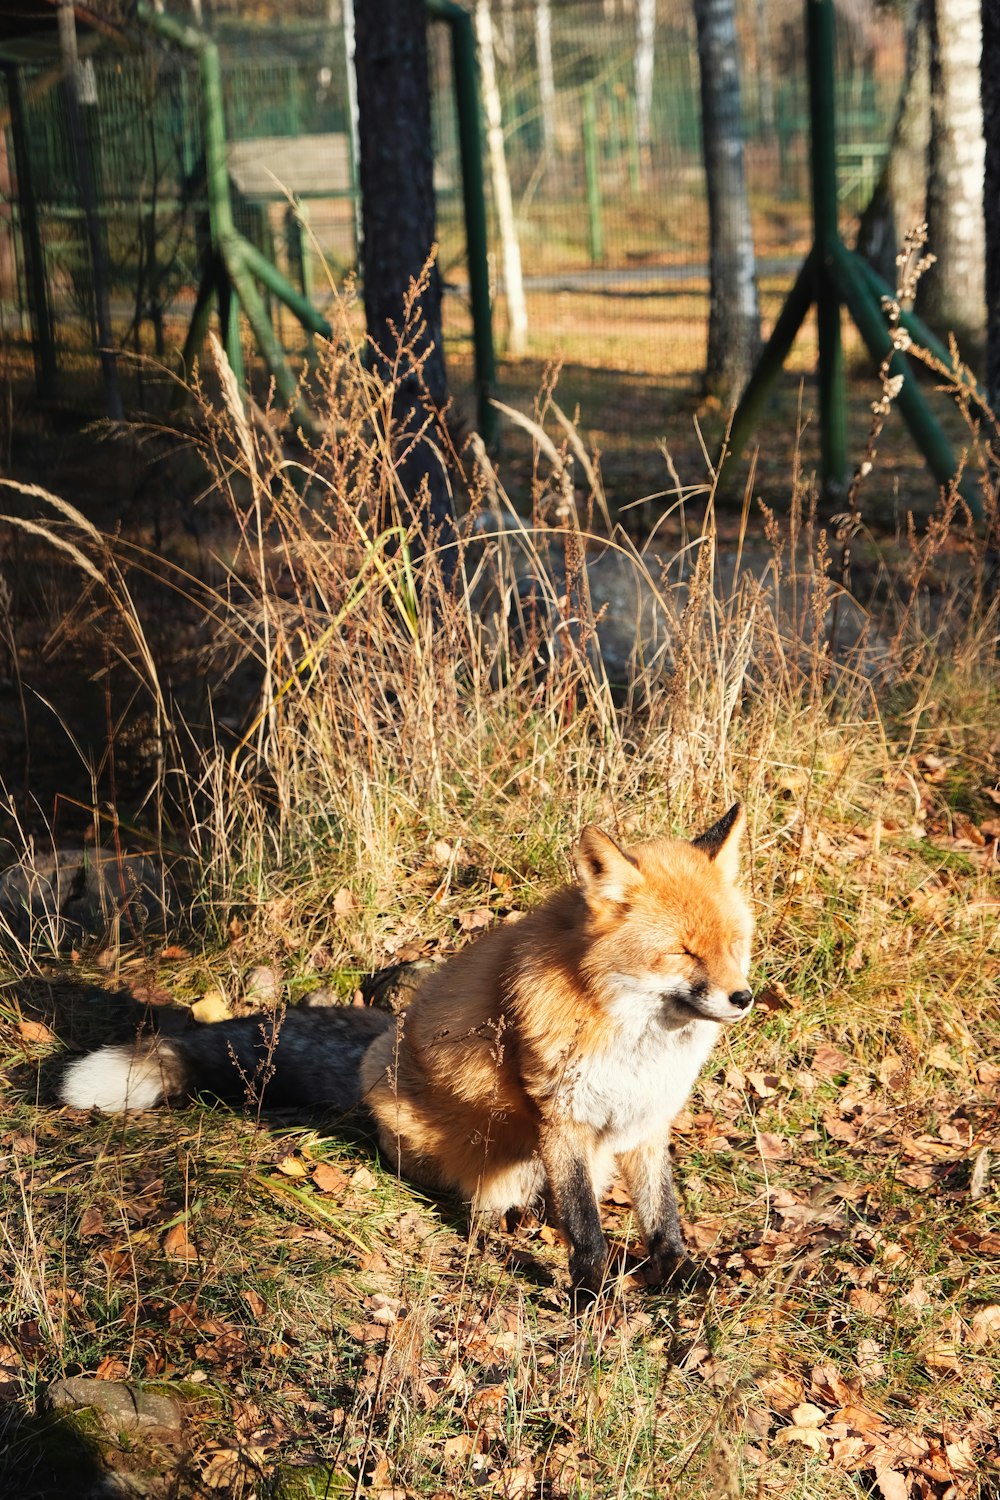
(408,770)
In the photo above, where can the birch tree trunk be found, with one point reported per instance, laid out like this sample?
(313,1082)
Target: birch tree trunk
(644,58)
(546,76)
(952,297)
(517,313)
(734,313)
(899,201)
(991,195)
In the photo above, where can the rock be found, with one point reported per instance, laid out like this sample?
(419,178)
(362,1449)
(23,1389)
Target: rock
(524,587)
(393,988)
(325,996)
(120,1406)
(51,895)
(263,987)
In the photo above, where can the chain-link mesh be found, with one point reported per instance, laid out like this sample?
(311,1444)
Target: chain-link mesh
(601,147)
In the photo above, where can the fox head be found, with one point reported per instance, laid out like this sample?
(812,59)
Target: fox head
(668,927)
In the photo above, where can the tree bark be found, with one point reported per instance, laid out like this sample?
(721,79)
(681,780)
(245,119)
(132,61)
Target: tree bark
(899,201)
(398,219)
(951,296)
(510,249)
(991,191)
(546,76)
(734,313)
(645,25)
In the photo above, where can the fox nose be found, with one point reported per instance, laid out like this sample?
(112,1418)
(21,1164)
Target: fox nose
(741,999)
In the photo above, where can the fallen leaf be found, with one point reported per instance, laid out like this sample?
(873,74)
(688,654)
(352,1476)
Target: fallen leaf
(291,1165)
(809,1436)
(781,1391)
(859,1418)
(892,1070)
(362,1181)
(764,1085)
(177,1245)
(828,1061)
(870,1359)
(212,1007)
(846,1450)
(460,1446)
(979,1181)
(807,1415)
(329,1179)
(91,1221)
(831,1387)
(471,921)
(940,1357)
(771,1147)
(34,1031)
(867,1302)
(344,903)
(892,1484)
(986,1325)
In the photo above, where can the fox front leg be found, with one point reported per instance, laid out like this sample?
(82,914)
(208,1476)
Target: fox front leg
(650,1180)
(570,1182)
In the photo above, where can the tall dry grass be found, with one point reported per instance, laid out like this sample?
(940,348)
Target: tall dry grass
(432,750)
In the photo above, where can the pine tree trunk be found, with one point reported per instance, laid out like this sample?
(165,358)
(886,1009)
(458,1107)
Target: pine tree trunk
(398,219)
(734,314)
(951,297)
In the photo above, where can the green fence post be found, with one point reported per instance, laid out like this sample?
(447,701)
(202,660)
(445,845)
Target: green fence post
(592,175)
(832,412)
(31,238)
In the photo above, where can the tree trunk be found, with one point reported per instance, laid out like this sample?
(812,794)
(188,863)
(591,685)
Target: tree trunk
(510,249)
(899,201)
(734,314)
(991,196)
(951,297)
(397,195)
(645,23)
(546,76)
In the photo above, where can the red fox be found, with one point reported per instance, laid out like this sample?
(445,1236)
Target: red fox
(531,1063)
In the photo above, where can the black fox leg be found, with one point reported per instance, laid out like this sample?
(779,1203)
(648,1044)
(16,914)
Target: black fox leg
(651,1186)
(570,1180)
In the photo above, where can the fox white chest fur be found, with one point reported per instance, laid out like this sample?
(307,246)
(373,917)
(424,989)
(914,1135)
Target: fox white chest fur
(641,1081)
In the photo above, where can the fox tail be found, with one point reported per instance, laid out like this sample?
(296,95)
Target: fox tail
(310,1057)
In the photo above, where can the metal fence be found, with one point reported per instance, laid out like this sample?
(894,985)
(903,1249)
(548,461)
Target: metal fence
(606,182)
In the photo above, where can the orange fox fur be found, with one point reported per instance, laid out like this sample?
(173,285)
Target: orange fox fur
(529,1064)
(557,1046)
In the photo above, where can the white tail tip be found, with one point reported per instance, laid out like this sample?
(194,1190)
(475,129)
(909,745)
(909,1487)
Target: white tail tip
(114,1079)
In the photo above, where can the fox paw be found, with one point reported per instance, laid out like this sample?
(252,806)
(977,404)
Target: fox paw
(676,1270)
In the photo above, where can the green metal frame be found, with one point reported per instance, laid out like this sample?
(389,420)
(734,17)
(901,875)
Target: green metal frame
(831,277)
(231,262)
(230,258)
(43,335)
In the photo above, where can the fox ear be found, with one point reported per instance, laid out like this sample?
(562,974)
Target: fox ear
(605,872)
(722,841)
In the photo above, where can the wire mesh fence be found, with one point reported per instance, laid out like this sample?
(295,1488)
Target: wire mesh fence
(600,120)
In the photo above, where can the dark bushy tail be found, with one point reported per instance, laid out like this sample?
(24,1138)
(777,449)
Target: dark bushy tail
(308,1057)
